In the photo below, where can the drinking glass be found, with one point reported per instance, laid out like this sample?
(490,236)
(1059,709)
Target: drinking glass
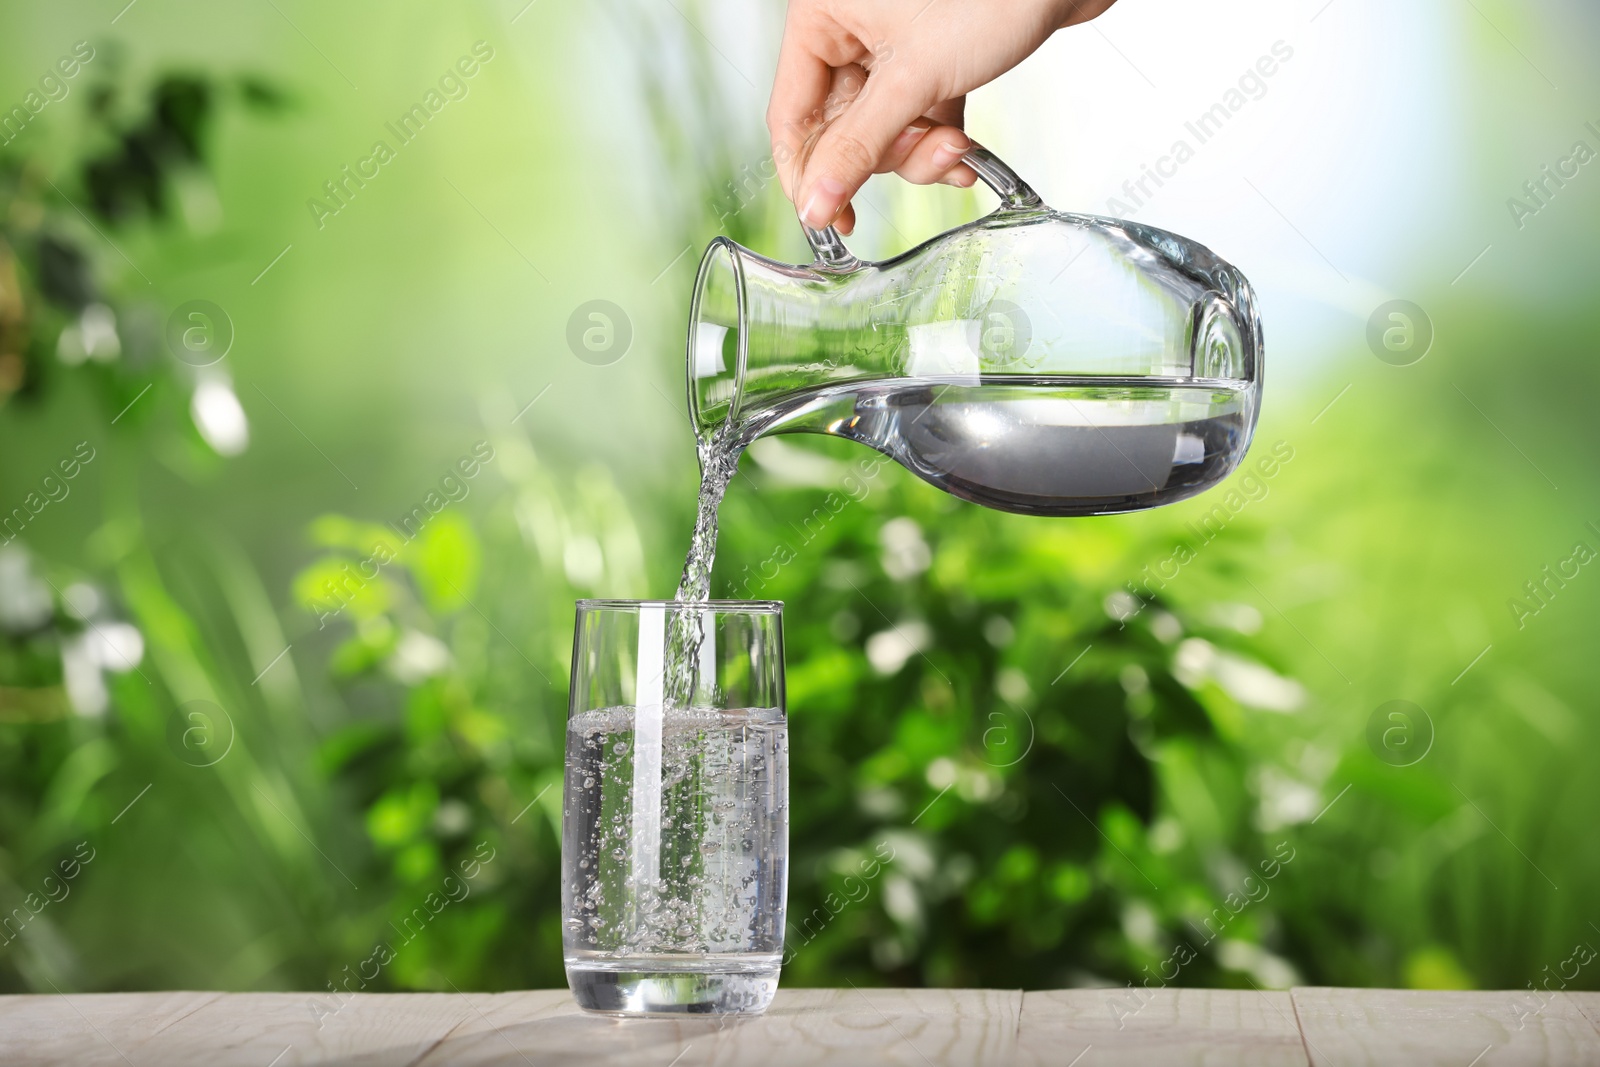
(675,824)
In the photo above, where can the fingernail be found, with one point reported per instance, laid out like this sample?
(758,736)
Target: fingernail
(823,205)
(908,139)
(947,155)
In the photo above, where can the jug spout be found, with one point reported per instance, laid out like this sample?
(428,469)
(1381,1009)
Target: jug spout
(763,333)
(1032,361)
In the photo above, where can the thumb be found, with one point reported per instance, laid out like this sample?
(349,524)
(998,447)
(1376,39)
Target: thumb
(851,148)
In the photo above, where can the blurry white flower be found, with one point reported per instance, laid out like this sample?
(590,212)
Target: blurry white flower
(941,773)
(82,600)
(1248,682)
(1135,679)
(1255,686)
(1192,664)
(1139,923)
(1317,761)
(888,954)
(1122,606)
(418,657)
(905,553)
(1241,617)
(1012,685)
(1166,627)
(24,598)
(998,631)
(86,656)
(1285,801)
(116,646)
(977,785)
(842,574)
(900,901)
(81,675)
(93,336)
(911,854)
(1166,835)
(100,339)
(452,818)
(882,804)
(792,465)
(889,649)
(1269,971)
(219,417)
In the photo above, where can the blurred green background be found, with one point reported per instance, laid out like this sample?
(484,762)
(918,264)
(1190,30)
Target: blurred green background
(216,772)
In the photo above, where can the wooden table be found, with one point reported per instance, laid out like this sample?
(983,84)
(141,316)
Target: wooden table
(912,1027)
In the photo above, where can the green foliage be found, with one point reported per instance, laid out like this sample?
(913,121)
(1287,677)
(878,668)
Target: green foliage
(968,721)
(967,697)
(441,772)
(1005,769)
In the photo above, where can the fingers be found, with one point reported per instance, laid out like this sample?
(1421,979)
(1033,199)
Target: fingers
(923,155)
(846,222)
(853,147)
(936,158)
(1077,11)
(904,144)
(799,95)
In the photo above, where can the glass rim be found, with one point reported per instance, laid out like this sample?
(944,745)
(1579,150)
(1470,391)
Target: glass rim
(724,607)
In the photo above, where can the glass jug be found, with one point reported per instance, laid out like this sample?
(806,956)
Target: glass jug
(1033,361)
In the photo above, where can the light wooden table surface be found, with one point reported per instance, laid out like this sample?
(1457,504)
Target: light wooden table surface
(911,1027)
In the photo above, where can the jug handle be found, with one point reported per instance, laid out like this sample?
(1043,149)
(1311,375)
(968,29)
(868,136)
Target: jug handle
(1014,193)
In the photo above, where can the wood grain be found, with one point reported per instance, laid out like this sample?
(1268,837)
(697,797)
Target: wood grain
(910,1027)
(1094,1027)
(1346,1027)
(913,1027)
(90,1028)
(294,1029)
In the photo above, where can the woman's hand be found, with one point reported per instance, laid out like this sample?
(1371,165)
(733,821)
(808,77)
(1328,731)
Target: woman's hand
(870,86)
